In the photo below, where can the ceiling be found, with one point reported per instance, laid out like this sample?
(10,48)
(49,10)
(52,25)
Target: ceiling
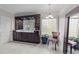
(75,16)
(18,8)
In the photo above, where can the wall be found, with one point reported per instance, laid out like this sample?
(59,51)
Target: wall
(75,10)
(61,30)
(6,26)
(62,24)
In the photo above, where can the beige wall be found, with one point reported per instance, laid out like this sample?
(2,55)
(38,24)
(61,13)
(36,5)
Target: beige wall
(6,26)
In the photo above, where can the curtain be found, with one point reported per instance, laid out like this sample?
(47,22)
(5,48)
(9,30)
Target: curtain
(49,26)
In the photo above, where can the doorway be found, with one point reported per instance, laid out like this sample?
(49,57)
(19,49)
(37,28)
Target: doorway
(71,37)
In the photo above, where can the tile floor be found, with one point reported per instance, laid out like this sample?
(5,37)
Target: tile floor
(27,48)
(73,51)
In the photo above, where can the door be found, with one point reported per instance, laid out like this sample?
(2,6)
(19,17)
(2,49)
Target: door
(66,34)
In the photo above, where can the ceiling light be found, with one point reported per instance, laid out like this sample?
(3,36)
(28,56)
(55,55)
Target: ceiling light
(49,17)
(49,14)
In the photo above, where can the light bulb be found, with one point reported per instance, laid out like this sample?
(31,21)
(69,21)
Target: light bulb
(49,17)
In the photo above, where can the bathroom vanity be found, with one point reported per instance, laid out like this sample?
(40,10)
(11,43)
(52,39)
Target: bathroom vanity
(27,28)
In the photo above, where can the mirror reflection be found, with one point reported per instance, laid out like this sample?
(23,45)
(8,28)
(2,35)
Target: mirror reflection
(29,25)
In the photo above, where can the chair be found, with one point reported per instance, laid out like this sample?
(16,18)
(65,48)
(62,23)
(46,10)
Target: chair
(54,38)
(72,44)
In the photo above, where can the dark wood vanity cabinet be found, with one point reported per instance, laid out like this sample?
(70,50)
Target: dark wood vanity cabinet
(17,36)
(37,22)
(26,37)
(30,37)
(33,37)
(18,23)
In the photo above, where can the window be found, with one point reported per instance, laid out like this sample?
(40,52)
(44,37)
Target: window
(49,26)
(73,27)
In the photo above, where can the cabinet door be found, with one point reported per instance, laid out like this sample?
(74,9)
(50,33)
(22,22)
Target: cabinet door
(31,37)
(18,24)
(19,36)
(25,37)
(14,35)
(37,22)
